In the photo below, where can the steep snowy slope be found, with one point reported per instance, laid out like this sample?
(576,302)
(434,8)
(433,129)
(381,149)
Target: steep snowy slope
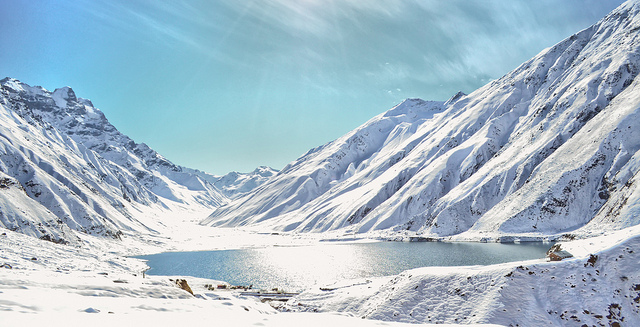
(64,167)
(543,150)
(324,168)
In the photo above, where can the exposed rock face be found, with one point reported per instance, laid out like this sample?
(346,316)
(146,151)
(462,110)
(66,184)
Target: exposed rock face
(549,148)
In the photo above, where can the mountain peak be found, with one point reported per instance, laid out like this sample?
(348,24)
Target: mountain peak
(16,86)
(455,98)
(413,106)
(63,96)
(264,171)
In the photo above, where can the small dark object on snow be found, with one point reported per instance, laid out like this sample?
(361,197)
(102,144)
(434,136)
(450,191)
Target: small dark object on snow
(591,261)
(182,283)
(556,253)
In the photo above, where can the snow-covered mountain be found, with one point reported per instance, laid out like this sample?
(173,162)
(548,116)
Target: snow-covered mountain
(65,168)
(235,184)
(550,148)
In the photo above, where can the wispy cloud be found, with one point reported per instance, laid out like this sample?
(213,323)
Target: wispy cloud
(427,42)
(177,25)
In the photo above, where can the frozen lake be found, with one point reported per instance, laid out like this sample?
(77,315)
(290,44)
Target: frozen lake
(298,267)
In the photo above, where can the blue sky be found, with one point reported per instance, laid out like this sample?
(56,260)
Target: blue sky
(233,84)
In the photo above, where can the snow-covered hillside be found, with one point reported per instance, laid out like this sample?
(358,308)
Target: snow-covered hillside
(65,168)
(550,148)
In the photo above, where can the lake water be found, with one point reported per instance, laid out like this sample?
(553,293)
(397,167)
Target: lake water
(300,267)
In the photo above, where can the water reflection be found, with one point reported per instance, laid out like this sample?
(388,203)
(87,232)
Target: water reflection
(297,268)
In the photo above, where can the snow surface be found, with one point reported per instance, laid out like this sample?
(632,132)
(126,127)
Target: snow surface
(95,284)
(600,286)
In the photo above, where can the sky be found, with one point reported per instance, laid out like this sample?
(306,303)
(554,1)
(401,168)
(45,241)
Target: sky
(230,85)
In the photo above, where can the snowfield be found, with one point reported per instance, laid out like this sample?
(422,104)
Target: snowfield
(550,151)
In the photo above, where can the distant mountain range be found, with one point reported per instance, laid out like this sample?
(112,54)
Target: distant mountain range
(549,149)
(235,184)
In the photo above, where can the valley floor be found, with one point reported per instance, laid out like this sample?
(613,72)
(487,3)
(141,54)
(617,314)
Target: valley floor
(97,284)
